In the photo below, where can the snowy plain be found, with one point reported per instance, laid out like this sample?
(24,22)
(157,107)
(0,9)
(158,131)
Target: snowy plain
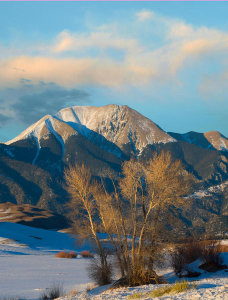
(28,268)
(28,265)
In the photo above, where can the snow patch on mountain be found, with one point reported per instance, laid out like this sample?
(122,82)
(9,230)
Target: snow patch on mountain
(219,188)
(222,145)
(50,126)
(38,150)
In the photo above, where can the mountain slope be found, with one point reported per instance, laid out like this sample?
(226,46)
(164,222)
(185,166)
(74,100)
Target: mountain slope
(213,140)
(112,127)
(30,215)
(118,124)
(32,164)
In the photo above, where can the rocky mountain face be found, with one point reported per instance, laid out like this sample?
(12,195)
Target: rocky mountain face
(32,164)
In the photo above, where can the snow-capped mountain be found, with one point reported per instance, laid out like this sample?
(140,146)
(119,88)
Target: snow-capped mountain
(119,125)
(32,164)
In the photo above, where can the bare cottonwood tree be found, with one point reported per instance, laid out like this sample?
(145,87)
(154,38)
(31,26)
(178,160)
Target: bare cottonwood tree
(81,188)
(129,214)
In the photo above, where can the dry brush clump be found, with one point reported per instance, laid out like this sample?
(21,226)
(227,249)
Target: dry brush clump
(184,254)
(208,251)
(211,256)
(86,254)
(130,213)
(64,254)
(211,252)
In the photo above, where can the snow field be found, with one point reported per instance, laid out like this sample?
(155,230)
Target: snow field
(28,268)
(27,276)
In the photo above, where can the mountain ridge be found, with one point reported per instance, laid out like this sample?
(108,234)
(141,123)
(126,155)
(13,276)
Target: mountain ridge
(213,140)
(117,124)
(32,164)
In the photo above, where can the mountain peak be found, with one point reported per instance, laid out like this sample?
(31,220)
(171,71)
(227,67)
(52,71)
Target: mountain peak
(34,129)
(213,140)
(219,141)
(119,124)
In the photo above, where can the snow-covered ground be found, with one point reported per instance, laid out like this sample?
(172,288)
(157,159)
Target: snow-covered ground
(208,286)
(28,267)
(27,276)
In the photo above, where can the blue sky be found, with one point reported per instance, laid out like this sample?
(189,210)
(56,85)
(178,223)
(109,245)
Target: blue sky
(168,60)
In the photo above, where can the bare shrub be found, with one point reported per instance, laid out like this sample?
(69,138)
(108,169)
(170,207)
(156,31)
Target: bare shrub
(64,254)
(184,254)
(86,254)
(177,260)
(101,274)
(192,251)
(55,291)
(211,252)
(145,276)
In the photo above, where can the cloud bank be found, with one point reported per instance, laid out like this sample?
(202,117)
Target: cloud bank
(155,50)
(74,59)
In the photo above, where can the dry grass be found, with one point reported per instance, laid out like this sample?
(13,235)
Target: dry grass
(64,254)
(86,254)
(177,287)
(137,296)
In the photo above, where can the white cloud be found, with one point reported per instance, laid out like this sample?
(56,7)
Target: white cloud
(64,42)
(180,46)
(144,15)
(179,30)
(98,39)
(71,71)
